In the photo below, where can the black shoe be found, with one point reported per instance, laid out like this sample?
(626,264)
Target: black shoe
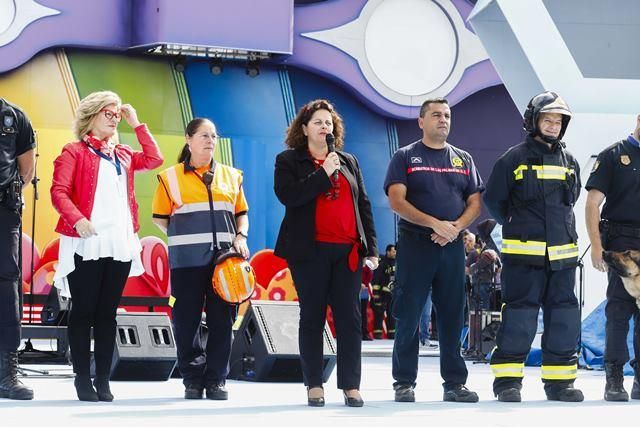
(193,391)
(404,393)
(217,392)
(10,385)
(391,335)
(367,337)
(377,335)
(566,394)
(84,389)
(315,401)
(354,402)
(460,393)
(614,389)
(510,395)
(103,389)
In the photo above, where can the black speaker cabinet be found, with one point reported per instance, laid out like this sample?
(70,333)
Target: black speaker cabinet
(265,347)
(145,349)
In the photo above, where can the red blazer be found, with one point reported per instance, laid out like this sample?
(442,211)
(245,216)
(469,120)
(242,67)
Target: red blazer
(75,176)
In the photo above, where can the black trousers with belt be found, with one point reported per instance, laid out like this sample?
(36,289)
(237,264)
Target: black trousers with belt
(96,287)
(10,295)
(620,308)
(202,361)
(321,281)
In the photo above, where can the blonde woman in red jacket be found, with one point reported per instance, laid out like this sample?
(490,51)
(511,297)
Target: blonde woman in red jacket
(93,192)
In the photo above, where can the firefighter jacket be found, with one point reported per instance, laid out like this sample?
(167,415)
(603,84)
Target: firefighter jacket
(384,277)
(531,192)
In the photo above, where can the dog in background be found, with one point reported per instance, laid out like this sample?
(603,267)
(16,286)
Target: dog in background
(626,264)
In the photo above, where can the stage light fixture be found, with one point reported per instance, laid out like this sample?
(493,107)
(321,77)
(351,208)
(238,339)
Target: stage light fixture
(252,69)
(180,64)
(215,66)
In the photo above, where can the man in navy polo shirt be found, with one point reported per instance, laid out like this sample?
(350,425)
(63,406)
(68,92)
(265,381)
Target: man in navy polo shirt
(435,189)
(615,180)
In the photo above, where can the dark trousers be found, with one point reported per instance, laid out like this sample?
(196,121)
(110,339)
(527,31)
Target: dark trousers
(382,306)
(422,267)
(10,284)
(96,287)
(619,309)
(327,279)
(364,305)
(203,361)
(526,289)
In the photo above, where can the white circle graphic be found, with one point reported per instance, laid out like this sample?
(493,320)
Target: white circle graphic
(411,46)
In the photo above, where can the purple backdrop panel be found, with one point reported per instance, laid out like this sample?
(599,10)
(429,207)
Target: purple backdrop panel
(258,25)
(81,23)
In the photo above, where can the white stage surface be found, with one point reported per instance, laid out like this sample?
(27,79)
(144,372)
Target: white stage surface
(284,404)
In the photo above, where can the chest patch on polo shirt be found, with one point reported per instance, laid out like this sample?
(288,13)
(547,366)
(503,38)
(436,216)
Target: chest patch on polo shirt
(625,160)
(457,162)
(415,160)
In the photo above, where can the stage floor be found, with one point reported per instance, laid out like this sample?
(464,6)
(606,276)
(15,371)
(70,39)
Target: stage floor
(274,404)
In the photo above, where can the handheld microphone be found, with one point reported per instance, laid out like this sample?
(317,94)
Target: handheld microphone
(331,147)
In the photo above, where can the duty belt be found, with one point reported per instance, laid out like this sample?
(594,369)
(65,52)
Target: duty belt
(619,229)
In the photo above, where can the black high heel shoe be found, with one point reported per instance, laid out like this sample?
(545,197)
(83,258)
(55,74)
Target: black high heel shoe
(103,390)
(354,402)
(315,401)
(84,389)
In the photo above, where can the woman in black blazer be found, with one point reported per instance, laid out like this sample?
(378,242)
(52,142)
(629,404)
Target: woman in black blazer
(326,232)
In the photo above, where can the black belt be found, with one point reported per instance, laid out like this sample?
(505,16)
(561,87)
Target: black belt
(619,229)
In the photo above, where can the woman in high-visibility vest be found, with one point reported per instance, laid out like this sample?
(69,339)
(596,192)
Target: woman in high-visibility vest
(200,205)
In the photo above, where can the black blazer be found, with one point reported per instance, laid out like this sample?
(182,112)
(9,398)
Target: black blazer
(297,184)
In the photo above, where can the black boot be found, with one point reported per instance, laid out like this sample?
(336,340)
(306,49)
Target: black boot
(102,388)
(563,393)
(10,386)
(614,390)
(635,390)
(84,389)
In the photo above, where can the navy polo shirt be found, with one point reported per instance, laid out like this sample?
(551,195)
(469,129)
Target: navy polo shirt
(616,173)
(438,181)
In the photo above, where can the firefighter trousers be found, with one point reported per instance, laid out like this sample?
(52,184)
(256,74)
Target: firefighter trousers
(526,289)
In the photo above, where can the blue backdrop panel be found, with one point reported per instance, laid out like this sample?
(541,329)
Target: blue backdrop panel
(366,137)
(250,111)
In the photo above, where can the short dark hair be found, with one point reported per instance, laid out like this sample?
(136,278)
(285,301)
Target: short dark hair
(389,247)
(425,104)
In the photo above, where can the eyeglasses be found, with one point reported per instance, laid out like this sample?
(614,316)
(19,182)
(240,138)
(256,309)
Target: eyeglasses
(110,115)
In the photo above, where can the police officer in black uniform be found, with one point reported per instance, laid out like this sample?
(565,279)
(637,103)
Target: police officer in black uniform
(616,177)
(531,192)
(17,160)
(435,188)
(382,284)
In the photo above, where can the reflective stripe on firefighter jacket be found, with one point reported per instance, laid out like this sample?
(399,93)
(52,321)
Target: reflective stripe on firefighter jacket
(531,192)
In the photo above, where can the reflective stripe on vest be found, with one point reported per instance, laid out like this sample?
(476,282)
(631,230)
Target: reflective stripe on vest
(191,239)
(517,247)
(559,372)
(563,252)
(544,172)
(174,188)
(501,370)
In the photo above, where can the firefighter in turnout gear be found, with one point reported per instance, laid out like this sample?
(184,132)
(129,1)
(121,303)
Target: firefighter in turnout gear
(382,285)
(532,191)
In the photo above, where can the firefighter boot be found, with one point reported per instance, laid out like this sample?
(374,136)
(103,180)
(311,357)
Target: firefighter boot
(10,385)
(635,390)
(614,389)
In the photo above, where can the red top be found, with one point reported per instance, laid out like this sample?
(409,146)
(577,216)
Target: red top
(75,176)
(336,219)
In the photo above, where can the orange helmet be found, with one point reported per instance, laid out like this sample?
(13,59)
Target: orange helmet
(233,278)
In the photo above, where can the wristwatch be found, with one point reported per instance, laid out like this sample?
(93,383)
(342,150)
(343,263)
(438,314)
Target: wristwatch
(240,233)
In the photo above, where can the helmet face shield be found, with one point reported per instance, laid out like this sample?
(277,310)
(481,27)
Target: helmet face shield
(546,102)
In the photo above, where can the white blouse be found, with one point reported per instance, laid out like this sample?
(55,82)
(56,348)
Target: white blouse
(111,218)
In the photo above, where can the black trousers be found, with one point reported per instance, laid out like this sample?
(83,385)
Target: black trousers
(202,360)
(526,289)
(96,287)
(327,279)
(10,283)
(423,266)
(619,309)
(364,305)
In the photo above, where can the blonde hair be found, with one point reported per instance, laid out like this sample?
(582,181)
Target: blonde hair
(89,107)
